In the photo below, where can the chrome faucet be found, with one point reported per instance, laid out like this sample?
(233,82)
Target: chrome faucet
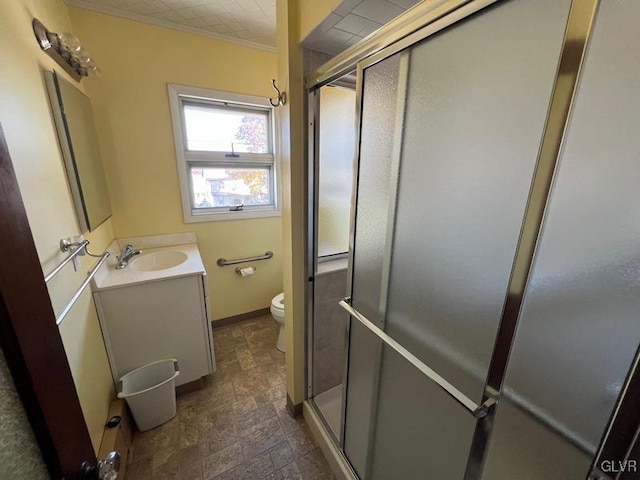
(125,256)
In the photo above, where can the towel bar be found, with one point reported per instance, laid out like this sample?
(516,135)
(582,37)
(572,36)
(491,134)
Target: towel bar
(65,245)
(84,284)
(78,250)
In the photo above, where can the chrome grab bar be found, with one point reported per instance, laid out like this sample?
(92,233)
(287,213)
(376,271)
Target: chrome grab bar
(76,295)
(222,262)
(478,411)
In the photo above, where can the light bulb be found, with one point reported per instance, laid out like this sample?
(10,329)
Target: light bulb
(83,57)
(69,42)
(94,71)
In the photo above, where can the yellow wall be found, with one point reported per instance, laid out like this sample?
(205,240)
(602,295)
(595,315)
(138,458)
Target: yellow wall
(294,198)
(134,125)
(296,19)
(312,13)
(29,129)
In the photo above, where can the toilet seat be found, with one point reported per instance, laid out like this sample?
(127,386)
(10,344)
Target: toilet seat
(277,312)
(277,303)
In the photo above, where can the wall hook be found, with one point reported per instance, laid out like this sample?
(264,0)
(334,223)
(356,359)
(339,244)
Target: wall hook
(282,96)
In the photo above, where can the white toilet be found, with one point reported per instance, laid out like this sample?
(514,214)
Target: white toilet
(277,312)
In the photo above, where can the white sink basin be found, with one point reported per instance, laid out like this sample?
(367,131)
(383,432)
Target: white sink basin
(153,264)
(154,261)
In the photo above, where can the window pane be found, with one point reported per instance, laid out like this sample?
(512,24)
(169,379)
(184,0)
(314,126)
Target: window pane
(228,186)
(216,129)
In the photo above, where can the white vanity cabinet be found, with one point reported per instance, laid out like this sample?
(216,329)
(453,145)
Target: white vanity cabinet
(165,318)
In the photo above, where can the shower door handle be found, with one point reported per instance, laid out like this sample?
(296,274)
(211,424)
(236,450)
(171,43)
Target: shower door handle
(478,411)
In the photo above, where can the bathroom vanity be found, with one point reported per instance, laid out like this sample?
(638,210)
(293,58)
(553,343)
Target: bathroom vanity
(156,308)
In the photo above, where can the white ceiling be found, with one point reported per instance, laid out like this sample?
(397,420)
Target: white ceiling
(249,22)
(253,22)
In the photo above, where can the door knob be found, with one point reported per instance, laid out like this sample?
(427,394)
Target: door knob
(107,468)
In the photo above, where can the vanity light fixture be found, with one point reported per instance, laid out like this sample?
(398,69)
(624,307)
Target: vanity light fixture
(66,50)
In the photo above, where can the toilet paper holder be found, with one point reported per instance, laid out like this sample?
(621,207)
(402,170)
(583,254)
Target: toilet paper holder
(246,271)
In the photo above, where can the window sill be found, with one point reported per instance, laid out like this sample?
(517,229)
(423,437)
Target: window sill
(224,216)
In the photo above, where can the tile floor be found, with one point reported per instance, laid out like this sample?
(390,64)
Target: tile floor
(237,427)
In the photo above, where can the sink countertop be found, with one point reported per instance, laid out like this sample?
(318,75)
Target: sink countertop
(109,277)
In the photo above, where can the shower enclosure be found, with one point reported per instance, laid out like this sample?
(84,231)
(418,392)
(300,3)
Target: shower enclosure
(492,302)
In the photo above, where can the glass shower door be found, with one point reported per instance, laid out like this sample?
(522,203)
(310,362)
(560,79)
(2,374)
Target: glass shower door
(450,133)
(335,135)
(578,331)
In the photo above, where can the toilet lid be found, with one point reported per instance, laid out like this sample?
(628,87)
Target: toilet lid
(278,301)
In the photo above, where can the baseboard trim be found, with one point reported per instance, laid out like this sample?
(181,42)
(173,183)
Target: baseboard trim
(119,438)
(187,388)
(225,322)
(295,410)
(336,460)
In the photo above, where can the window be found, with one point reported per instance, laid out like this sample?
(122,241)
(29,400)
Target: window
(224,148)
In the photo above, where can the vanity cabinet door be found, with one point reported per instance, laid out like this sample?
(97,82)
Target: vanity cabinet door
(157,320)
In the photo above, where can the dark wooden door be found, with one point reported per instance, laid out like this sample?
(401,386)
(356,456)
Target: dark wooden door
(31,342)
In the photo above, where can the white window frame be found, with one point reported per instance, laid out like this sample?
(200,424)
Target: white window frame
(186,158)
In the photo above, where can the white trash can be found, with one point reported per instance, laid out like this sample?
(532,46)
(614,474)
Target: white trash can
(150,392)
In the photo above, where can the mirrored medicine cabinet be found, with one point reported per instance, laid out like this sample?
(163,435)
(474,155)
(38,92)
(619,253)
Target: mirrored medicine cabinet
(73,116)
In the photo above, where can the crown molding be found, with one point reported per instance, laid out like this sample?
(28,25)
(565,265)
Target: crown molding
(167,24)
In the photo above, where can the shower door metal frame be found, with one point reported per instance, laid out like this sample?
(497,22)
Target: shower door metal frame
(313,124)
(313,104)
(313,108)
(414,26)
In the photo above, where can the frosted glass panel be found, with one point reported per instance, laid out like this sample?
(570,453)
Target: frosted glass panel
(579,327)
(362,390)
(420,433)
(379,109)
(477,99)
(525,449)
(336,147)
